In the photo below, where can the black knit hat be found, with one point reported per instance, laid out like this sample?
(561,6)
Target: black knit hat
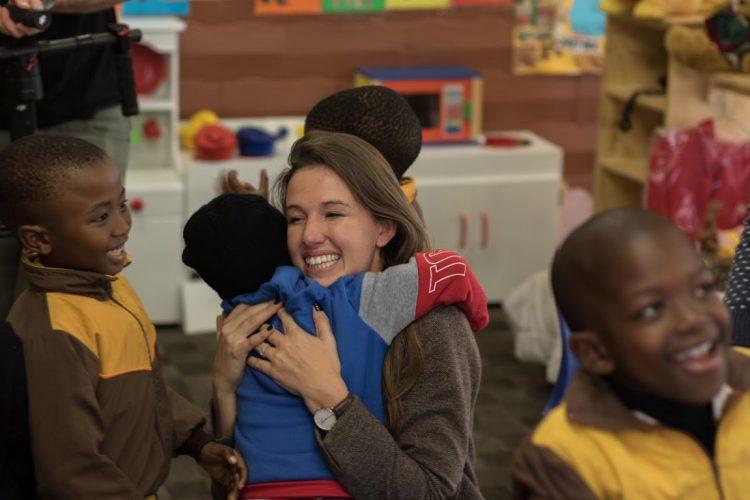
(235,243)
(375,114)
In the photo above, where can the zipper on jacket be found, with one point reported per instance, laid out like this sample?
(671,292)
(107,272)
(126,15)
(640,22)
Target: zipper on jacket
(143,330)
(164,438)
(711,458)
(715,469)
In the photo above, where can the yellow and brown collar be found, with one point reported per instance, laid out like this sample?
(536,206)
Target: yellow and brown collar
(590,400)
(409,187)
(57,279)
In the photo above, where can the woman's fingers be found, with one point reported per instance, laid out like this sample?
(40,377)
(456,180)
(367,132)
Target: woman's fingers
(240,313)
(250,318)
(275,338)
(250,326)
(322,325)
(290,326)
(253,341)
(219,324)
(265,350)
(262,365)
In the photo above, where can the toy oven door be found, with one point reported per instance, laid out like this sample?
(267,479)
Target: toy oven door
(440,106)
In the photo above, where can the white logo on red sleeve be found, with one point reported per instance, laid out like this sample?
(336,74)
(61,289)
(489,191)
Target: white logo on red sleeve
(443,265)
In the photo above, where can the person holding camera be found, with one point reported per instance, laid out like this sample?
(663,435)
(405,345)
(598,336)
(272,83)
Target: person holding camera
(81,98)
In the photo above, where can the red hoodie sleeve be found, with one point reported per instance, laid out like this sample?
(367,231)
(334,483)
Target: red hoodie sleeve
(445,278)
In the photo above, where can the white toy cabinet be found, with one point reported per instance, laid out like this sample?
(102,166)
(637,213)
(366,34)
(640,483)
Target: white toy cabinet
(153,181)
(495,206)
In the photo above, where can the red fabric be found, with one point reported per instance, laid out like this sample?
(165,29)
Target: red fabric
(445,278)
(679,178)
(294,489)
(690,168)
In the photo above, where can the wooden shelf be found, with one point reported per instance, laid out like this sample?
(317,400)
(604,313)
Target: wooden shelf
(633,169)
(657,103)
(635,59)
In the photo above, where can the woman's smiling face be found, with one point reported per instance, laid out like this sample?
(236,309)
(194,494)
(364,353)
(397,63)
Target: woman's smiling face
(330,233)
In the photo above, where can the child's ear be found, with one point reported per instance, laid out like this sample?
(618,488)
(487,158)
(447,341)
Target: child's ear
(387,232)
(592,353)
(35,238)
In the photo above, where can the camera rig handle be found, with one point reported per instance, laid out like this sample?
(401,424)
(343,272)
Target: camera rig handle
(20,66)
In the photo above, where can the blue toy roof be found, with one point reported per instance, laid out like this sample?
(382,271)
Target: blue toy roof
(417,72)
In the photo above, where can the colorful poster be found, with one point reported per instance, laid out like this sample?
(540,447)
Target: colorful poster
(461,3)
(416,4)
(286,7)
(353,6)
(558,37)
(156,7)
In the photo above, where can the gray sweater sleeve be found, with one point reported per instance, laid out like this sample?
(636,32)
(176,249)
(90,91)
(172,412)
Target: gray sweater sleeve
(389,299)
(432,456)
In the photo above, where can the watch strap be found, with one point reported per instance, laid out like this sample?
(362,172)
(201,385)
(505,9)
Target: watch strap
(340,408)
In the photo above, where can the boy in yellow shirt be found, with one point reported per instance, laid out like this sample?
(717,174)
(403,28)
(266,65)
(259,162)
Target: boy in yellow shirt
(102,422)
(660,408)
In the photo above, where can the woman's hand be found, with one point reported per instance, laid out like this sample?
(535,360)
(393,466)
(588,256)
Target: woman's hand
(303,364)
(238,334)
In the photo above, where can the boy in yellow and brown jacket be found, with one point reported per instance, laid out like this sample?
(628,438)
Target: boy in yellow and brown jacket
(660,408)
(102,422)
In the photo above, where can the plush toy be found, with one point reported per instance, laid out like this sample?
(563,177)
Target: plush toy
(659,9)
(615,7)
(723,44)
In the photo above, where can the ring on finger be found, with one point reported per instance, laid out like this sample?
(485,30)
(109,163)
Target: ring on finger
(262,349)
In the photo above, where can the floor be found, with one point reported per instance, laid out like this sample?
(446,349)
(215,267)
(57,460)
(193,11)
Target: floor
(511,398)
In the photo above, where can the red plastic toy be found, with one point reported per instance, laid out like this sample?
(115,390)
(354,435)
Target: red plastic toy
(152,129)
(214,142)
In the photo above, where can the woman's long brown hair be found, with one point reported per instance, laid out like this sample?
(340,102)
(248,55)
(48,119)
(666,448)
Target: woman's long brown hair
(373,184)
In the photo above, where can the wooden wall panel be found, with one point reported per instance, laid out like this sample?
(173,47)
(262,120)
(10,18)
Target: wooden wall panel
(241,65)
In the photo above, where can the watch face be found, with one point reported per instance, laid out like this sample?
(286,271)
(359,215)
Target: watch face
(324,419)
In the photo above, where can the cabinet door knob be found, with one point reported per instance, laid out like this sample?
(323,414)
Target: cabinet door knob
(463,229)
(136,204)
(484,220)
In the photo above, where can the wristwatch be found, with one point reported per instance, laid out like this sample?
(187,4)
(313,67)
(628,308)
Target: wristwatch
(325,418)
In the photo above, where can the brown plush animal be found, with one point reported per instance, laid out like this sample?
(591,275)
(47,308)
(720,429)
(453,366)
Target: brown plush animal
(659,9)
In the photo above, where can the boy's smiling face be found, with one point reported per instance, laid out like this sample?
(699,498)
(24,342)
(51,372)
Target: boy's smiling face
(663,328)
(86,228)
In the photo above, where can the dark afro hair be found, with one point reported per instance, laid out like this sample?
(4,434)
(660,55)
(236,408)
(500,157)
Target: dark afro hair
(34,169)
(376,114)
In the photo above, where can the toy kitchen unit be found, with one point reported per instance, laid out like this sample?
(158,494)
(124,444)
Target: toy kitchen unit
(153,180)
